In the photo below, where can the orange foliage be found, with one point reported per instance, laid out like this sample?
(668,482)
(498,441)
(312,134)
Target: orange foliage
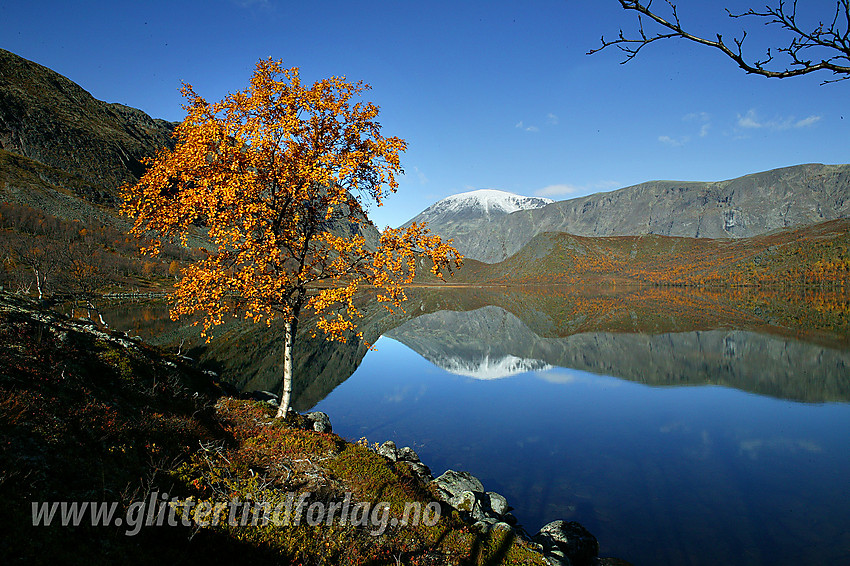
(278,175)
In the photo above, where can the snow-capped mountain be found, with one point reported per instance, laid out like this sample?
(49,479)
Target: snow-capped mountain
(460,216)
(487,343)
(486,368)
(485,202)
(481,203)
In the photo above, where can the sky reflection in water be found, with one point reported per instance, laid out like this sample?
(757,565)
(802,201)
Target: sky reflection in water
(676,475)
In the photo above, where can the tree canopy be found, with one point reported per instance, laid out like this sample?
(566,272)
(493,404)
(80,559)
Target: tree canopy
(278,178)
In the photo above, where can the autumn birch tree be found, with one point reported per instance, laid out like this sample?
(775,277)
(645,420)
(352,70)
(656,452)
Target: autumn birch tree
(278,178)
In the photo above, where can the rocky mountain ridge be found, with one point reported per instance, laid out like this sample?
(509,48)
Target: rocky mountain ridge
(736,208)
(50,119)
(462,215)
(66,153)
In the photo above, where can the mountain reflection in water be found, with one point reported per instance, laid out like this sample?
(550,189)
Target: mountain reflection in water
(788,345)
(551,396)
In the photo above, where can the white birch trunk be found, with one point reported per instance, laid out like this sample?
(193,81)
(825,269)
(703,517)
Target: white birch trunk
(286,395)
(38,283)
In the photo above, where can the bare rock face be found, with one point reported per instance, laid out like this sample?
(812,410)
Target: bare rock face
(737,208)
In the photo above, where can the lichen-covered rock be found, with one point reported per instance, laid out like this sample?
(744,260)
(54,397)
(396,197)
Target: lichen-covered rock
(422,471)
(408,454)
(471,503)
(568,539)
(321,421)
(497,503)
(453,483)
(388,450)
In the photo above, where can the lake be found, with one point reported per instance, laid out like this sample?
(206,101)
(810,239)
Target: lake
(678,427)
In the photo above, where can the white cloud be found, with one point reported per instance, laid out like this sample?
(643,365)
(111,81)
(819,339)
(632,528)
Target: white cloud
(423,180)
(555,190)
(703,131)
(552,119)
(673,142)
(521,125)
(751,121)
(806,122)
(567,189)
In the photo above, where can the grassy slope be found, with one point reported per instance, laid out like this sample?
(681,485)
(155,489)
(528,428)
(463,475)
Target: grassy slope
(92,416)
(815,255)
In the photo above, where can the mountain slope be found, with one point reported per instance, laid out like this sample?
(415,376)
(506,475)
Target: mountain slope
(50,119)
(63,157)
(736,208)
(814,255)
(462,215)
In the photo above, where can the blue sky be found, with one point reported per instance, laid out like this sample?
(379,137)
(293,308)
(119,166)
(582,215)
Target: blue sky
(496,94)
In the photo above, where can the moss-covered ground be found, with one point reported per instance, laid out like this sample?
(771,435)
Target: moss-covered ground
(90,416)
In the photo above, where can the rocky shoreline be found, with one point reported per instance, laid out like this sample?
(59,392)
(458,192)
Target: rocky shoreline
(562,543)
(50,353)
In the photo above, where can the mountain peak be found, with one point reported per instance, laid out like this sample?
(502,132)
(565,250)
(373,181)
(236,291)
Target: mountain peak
(488,201)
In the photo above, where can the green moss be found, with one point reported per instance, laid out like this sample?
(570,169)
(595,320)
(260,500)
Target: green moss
(84,420)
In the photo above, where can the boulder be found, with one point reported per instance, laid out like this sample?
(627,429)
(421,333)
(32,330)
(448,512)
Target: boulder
(470,502)
(571,540)
(484,525)
(453,483)
(497,503)
(388,450)
(408,454)
(321,421)
(421,471)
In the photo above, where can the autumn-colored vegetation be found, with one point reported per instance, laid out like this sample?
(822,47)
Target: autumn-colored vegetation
(85,417)
(816,256)
(278,175)
(45,255)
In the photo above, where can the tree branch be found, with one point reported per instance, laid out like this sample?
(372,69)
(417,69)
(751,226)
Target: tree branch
(833,37)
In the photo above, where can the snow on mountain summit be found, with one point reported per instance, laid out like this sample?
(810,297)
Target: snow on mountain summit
(462,216)
(486,201)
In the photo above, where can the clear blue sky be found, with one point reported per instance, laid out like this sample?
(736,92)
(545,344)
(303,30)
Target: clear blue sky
(496,94)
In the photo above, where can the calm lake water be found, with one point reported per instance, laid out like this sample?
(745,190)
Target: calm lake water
(678,432)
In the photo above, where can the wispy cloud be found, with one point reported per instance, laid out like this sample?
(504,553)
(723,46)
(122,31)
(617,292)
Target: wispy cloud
(551,120)
(697,116)
(556,191)
(423,180)
(751,121)
(521,125)
(564,189)
(806,122)
(701,118)
(673,142)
